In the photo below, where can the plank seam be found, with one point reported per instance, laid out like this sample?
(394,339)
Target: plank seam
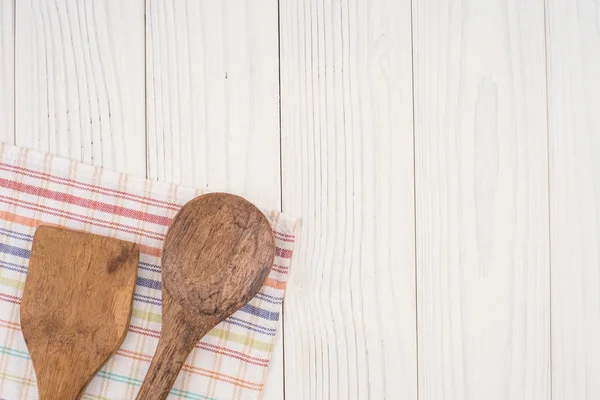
(412,77)
(544,6)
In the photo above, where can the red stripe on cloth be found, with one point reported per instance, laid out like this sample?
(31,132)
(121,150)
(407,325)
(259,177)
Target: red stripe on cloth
(232,353)
(144,331)
(289,235)
(283,253)
(87,203)
(283,237)
(89,187)
(10,299)
(80,218)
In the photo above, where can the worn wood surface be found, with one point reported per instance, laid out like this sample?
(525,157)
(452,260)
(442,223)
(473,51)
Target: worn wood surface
(212,96)
(573,42)
(7,71)
(216,256)
(347,164)
(483,272)
(76,306)
(79,74)
(212,72)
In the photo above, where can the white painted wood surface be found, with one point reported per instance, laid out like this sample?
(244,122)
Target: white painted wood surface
(213,96)
(7,70)
(501,298)
(213,104)
(573,40)
(483,294)
(80,80)
(347,159)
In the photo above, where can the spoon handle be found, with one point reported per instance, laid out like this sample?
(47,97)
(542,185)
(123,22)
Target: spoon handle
(177,340)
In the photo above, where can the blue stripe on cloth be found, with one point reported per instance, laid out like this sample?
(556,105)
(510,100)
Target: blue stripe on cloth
(16,235)
(268,331)
(149,283)
(15,251)
(13,267)
(149,267)
(148,299)
(146,282)
(259,312)
(246,325)
(269,299)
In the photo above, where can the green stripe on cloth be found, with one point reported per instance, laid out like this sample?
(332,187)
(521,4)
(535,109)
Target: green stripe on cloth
(215,332)
(14,352)
(146,315)
(241,339)
(93,397)
(17,379)
(13,283)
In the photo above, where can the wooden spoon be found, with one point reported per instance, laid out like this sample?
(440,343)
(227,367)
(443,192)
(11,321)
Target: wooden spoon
(216,256)
(76,306)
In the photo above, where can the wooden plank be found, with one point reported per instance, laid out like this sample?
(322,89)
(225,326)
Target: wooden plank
(80,81)
(347,158)
(573,44)
(213,96)
(7,72)
(213,105)
(481,200)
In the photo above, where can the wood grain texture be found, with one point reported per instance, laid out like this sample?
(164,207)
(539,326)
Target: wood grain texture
(573,45)
(213,101)
(7,71)
(481,200)
(347,159)
(216,256)
(76,306)
(80,80)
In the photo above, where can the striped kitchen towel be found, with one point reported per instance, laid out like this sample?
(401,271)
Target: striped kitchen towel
(230,362)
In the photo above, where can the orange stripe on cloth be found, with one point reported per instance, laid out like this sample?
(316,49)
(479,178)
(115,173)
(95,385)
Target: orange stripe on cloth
(274,283)
(10,325)
(33,222)
(21,220)
(197,371)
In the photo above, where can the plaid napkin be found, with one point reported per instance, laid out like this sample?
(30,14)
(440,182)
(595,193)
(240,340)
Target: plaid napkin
(36,188)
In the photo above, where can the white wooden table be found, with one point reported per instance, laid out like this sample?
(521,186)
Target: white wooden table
(444,157)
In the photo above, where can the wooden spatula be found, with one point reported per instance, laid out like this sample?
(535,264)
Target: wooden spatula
(216,256)
(76,306)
